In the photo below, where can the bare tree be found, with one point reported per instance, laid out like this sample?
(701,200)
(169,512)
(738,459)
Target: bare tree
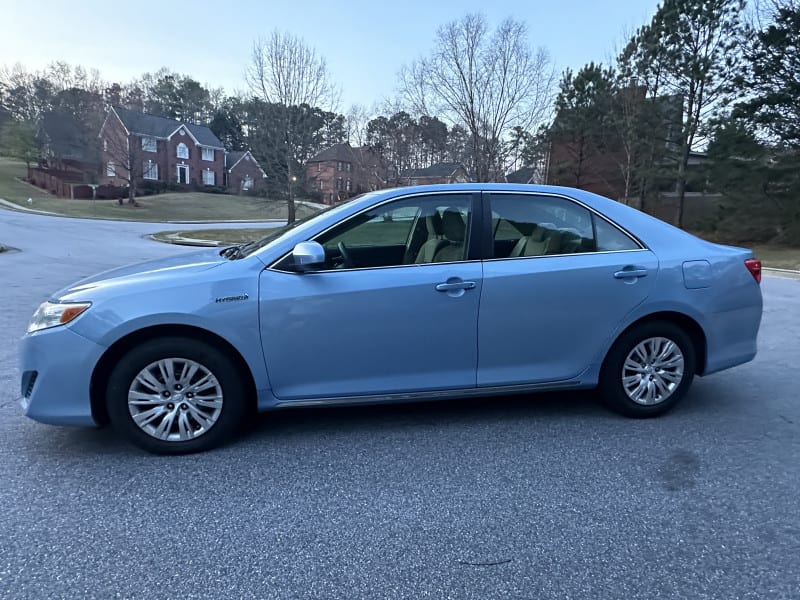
(356,121)
(123,157)
(284,70)
(487,82)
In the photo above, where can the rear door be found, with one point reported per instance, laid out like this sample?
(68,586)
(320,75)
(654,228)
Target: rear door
(560,281)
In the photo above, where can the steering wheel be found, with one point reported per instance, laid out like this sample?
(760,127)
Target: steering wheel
(347,260)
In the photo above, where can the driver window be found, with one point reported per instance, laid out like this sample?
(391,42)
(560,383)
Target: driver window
(416,230)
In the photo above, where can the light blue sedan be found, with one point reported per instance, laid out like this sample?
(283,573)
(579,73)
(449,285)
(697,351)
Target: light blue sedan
(399,295)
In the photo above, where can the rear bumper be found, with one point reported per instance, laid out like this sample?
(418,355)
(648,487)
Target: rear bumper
(56,366)
(731,338)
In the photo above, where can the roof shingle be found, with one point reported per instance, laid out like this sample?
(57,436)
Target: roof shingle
(162,127)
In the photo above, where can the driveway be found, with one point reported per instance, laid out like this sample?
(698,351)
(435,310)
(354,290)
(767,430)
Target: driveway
(521,497)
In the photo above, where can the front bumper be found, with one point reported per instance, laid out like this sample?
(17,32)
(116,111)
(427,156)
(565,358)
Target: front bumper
(56,366)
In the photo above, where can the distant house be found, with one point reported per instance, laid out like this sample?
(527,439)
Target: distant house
(524,175)
(599,166)
(435,174)
(68,160)
(341,171)
(243,174)
(159,149)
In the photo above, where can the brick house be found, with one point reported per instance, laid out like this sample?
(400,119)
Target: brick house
(435,174)
(243,174)
(341,171)
(159,149)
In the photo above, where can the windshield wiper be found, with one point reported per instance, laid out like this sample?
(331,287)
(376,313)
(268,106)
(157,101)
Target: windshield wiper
(236,252)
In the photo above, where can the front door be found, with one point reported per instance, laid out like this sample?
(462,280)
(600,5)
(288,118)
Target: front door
(560,282)
(183,173)
(379,318)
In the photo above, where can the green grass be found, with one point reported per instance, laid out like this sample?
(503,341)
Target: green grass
(778,257)
(189,206)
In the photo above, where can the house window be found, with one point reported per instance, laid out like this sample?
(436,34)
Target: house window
(339,184)
(349,186)
(322,185)
(183,150)
(105,145)
(111,169)
(149,144)
(150,169)
(348,167)
(208,177)
(247,183)
(208,154)
(339,166)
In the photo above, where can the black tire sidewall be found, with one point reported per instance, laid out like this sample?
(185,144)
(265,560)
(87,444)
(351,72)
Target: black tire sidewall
(611,388)
(226,372)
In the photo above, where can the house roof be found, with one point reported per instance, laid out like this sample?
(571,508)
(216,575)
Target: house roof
(162,127)
(232,159)
(523,175)
(65,136)
(343,152)
(437,170)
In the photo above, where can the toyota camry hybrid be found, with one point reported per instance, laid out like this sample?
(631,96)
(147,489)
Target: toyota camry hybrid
(399,295)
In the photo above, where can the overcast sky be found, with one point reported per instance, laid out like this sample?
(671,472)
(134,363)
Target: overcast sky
(364,41)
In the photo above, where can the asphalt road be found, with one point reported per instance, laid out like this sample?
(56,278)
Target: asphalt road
(520,497)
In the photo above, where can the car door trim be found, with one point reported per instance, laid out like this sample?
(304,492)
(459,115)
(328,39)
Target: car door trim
(433,395)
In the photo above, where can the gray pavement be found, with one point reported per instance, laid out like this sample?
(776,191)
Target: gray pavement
(521,497)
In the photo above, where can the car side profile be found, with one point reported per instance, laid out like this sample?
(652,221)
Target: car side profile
(398,295)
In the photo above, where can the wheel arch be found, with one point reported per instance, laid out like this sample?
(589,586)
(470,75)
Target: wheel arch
(685,322)
(119,348)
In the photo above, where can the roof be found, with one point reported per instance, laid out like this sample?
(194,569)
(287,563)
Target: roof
(338,152)
(523,175)
(233,157)
(162,127)
(437,170)
(65,136)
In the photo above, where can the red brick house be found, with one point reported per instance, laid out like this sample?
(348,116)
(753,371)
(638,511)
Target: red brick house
(146,147)
(435,174)
(341,171)
(243,174)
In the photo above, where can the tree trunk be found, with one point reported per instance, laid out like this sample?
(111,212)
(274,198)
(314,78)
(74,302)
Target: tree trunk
(132,193)
(681,184)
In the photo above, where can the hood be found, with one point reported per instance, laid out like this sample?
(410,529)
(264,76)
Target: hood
(173,267)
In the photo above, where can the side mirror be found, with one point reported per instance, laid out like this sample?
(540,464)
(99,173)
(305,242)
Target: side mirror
(307,255)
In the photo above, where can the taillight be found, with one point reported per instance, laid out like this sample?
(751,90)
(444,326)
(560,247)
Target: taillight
(754,266)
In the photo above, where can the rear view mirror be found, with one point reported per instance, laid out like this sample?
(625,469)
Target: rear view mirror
(307,255)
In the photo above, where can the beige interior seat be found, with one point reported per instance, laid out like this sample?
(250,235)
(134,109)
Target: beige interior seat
(435,241)
(454,229)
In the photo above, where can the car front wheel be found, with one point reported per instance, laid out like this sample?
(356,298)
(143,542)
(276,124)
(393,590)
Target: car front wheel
(176,396)
(648,370)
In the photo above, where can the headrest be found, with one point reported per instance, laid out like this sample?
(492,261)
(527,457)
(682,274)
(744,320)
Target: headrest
(435,223)
(453,225)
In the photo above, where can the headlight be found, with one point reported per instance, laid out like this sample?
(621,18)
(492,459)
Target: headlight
(50,314)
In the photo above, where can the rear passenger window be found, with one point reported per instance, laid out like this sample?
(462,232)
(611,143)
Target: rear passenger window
(530,225)
(610,239)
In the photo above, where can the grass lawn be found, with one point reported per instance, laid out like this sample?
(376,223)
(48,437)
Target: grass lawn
(778,257)
(190,206)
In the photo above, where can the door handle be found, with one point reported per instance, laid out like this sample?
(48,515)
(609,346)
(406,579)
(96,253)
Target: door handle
(458,285)
(630,272)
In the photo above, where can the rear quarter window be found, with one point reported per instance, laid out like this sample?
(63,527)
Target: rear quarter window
(611,239)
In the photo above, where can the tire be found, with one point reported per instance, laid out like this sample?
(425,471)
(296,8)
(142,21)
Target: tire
(643,388)
(187,396)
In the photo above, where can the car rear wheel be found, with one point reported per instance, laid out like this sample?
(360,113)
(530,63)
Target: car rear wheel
(648,370)
(176,396)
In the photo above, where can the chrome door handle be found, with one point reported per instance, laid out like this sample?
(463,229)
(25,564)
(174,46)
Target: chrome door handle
(460,285)
(632,272)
